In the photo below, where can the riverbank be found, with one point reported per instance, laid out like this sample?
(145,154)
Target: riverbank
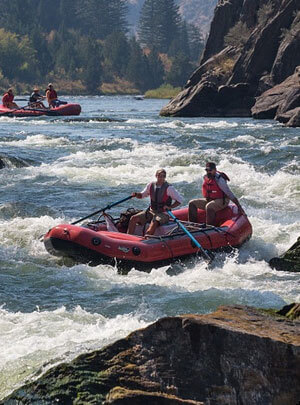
(76,88)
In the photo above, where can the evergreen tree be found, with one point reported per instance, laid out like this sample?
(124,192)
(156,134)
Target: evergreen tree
(180,70)
(156,71)
(196,42)
(159,24)
(116,53)
(137,68)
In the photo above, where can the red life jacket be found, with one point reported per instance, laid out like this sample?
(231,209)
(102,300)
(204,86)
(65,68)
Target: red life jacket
(159,197)
(211,189)
(7,98)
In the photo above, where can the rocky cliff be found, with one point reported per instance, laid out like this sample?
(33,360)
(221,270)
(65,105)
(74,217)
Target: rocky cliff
(253,46)
(237,355)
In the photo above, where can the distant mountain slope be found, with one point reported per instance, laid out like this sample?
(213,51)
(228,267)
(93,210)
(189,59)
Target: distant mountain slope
(198,12)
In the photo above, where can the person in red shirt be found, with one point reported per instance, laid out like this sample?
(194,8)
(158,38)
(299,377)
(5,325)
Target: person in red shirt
(8,100)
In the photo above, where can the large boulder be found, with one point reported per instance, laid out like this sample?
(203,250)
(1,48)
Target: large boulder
(278,100)
(269,56)
(236,355)
(208,100)
(289,261)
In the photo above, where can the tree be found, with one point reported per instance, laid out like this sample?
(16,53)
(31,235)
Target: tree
(116,53)
(180,70)
(156,72)
(137,66)
(17,56)
(159,24)
(196,42)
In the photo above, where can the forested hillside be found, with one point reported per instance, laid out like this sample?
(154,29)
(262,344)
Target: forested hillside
(88,45)
(197,12)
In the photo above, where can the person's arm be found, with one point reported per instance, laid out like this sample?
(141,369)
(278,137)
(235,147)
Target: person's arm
(176,197)
(144,193)
(225,188)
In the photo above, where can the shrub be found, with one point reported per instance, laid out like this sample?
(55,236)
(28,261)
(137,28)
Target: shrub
(237,35)
(264,13)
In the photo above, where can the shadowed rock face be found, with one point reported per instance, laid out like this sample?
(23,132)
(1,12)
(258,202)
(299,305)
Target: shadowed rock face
(289,261)
(269,57)
(237,355)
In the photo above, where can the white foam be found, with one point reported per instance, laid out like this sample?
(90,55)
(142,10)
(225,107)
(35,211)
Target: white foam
(40,339)
(39,140)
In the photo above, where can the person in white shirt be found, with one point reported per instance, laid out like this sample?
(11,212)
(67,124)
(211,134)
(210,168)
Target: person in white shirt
(163,197)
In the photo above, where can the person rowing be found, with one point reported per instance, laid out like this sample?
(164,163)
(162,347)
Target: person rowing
(35,99)
(163,197)
(8,99)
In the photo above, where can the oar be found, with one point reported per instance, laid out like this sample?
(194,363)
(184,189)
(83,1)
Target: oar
(207,254)
(109,206)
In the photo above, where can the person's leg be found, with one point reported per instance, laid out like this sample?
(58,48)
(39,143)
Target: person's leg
(152,228)
(193,206)
(158,219)
(212,207)
(139,218)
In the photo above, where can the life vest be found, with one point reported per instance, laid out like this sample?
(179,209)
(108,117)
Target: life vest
(159,197)
(34,97)
(211,189)
(52,94)
(7,98)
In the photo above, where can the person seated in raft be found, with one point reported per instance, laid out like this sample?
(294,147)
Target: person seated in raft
(8,99)
(163,197)
(216,195)
(51,96)
(35,99)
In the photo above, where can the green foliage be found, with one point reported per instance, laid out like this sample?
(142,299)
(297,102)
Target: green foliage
(17,56)
(237,35)
(159,24)
(85,42)
(164,91)
(180,70)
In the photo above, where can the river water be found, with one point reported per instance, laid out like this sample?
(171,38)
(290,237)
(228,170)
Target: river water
(61,169)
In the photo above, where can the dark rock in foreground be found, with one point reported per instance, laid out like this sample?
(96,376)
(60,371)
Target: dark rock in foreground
(289,261)
(237,355)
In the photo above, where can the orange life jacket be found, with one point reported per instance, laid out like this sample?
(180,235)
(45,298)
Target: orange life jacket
(159,197)
(211,189)
(52,94)
(7,98)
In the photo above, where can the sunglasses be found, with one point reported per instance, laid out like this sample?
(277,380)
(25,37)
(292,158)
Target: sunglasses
(209,170)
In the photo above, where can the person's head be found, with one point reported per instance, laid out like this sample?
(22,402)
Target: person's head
(210,169)
(161,175)
(10,90)
(50,86)
(35,89)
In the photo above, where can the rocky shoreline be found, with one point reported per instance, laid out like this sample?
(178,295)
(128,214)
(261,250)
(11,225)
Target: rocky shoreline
(236,355)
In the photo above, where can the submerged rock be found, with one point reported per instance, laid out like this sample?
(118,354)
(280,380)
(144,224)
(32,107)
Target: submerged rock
(289,261)
(236,355)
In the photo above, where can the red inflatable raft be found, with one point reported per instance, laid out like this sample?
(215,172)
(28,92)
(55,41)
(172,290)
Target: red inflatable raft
(105,241)
(63,109)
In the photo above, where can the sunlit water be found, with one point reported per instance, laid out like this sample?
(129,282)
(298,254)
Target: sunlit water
(70,167)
